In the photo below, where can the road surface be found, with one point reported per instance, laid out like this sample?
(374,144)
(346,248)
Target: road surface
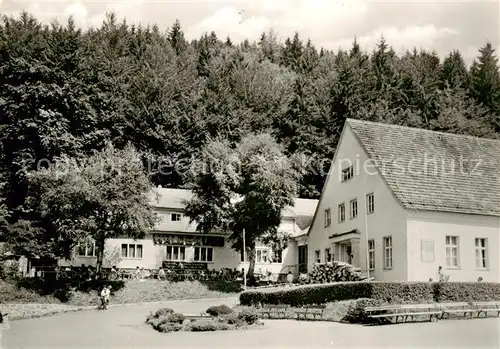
(124,327)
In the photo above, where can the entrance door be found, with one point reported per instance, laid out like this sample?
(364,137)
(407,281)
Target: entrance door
(303,259)
(346,253)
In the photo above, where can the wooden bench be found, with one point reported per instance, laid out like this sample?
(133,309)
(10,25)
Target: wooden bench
(278,309)
(404,311)
(200,316)
(314,310)
(485,307)
(454,308)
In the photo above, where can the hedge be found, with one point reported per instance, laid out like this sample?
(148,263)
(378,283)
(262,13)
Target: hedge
(384,292)
(466,291)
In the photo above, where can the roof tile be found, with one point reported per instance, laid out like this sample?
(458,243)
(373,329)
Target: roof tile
(429,170)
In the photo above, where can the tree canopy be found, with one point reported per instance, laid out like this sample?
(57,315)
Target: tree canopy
(106,195)
(66,92)
(244,188)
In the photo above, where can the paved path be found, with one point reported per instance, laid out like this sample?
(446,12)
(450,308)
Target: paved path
(123,327)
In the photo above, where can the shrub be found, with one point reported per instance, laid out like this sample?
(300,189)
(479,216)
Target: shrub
(465,291)
(217,310)
(307,294)
(207,325)
(249,316)
(386,292)
(407,292)
(401,292)
(62,288)
(234,319)
(163,311)
(166,327)
(174,318)
(356,311)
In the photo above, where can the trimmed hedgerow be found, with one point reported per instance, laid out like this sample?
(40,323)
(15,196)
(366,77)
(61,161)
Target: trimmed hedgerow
(385,292)
(466,291)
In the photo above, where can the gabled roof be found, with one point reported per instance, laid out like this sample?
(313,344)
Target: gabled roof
(170,198)
(465,180)
(301,207)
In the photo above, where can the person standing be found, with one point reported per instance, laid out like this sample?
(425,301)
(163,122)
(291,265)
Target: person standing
(441,276)
(289,278)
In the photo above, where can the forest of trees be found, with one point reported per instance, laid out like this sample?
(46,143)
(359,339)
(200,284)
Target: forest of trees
(70,92)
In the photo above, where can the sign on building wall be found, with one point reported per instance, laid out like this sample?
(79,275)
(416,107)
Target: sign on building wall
(427,249)
(174,239)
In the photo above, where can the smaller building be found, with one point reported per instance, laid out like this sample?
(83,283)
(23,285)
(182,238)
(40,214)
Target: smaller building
(174,240)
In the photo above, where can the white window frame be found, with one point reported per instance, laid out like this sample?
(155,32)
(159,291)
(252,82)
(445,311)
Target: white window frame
(353,208)
(341,212)
(89,246)
(262,255)
(135,249)
(328,217)
(175,214)
(481,253)
(347,173)
(388,263)
(452,243)
(206,249)
(371,254)
(370,203)
(317,256)
(172,248)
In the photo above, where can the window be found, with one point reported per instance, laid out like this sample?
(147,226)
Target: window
(452,251)
(371,254)
(131,250)
(370,203)
(328,217)
(176,253)
(388,252)
(175,217)
(87,249)
(481,253)
(261,256)
(203,254)
(277,256)
(354,208)
(347,173)
(328,255)
(317,255)
(341,213)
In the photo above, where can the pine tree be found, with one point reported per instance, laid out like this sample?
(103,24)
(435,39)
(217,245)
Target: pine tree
(176,38)
(454,72)
(485,79)
(292,53)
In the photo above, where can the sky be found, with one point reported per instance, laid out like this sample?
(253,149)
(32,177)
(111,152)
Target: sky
(434,25)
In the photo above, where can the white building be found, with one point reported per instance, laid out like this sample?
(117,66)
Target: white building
(174,240)
(402,201)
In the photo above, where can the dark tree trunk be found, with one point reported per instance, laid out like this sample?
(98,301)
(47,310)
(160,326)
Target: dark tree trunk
(100,255)
(251,267)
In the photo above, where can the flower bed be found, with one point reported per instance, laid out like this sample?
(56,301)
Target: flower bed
(165,320)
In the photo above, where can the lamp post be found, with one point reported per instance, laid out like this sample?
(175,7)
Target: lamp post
(244,254)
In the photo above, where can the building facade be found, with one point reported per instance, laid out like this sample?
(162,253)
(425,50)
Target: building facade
(174,240)
(399,202)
